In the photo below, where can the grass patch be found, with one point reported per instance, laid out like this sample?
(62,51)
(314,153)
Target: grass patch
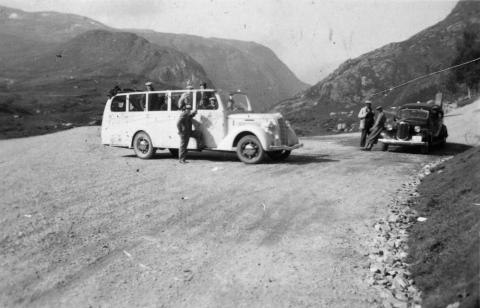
(444,251)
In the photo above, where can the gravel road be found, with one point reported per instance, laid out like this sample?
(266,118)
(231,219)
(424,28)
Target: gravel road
(84,225)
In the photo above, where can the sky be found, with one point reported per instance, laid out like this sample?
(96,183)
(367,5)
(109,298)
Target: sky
(310,36)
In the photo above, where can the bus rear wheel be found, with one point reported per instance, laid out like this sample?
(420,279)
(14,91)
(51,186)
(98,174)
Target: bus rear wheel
(142,145)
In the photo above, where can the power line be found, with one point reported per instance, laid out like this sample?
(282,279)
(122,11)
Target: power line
(424,76)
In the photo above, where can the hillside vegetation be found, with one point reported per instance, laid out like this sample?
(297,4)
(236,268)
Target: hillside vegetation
(445,250)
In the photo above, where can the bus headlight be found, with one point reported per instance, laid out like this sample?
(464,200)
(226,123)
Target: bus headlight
(268,126)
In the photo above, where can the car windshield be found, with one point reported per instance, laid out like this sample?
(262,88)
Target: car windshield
(236,102)
(413,114)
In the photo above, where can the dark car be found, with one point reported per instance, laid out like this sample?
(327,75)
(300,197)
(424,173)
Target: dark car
(418,124)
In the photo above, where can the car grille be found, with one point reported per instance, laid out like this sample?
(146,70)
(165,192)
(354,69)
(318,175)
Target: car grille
(403,131)
(283,131)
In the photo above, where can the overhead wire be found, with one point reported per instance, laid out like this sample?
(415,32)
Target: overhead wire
(424,76)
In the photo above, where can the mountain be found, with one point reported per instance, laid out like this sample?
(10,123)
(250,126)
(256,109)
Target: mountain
(67,82)
(337,98)
(56,68)
(114,56)
(229,64)
(233,64)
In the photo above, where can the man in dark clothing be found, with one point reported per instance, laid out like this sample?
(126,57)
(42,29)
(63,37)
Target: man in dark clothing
(185,131)
(366,116)
(377,128)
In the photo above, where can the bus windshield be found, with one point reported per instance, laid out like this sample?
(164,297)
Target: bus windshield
(238,102)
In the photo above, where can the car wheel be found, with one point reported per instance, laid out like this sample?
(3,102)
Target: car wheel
(384,146)
(425,148)
(142,145)
(174,152)
(249,150)
(279,155)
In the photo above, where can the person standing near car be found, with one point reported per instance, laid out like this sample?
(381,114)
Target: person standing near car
(366,116)
(376,129)
(184,126)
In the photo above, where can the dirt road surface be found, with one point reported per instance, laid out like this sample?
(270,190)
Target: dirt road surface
(85,225)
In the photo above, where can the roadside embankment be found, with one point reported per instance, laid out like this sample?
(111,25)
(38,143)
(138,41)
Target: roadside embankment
(389,267)
(444,250)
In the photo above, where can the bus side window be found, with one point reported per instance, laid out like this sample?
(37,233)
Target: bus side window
(136,102)
(118,104)
(175,97)
(157,102)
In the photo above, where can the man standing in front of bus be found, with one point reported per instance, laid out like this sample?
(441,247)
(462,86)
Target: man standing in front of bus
(184,126)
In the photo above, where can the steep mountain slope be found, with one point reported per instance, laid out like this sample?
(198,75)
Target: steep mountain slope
(235,65)
(113,56)
(355,80)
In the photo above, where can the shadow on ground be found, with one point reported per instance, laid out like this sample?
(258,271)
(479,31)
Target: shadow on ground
(446,150)
(214,156)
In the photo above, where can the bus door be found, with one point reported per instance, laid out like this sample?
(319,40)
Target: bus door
(210,119)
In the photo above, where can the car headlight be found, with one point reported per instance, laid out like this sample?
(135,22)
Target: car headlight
(417,129)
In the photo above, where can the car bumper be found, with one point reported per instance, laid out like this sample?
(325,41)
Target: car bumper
(284,147)
(401,142)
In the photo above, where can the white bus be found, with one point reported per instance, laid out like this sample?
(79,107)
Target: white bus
(146,121)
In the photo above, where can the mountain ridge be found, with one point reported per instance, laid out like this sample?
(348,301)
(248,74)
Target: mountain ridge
(384,68)
(242,58)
